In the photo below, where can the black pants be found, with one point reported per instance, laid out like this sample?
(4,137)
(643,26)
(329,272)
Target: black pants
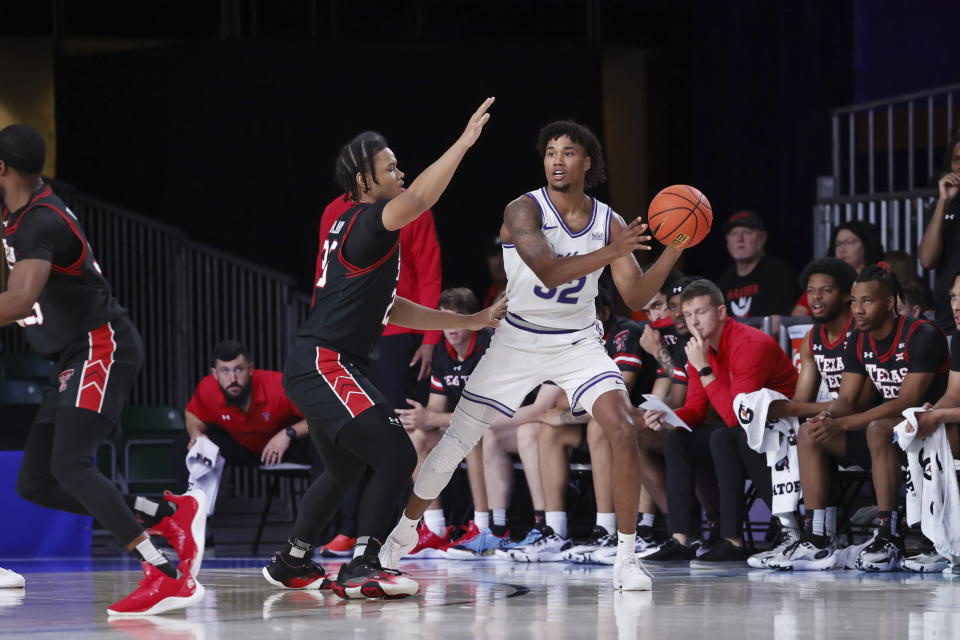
(685,453)
(370,439)
(235,454)
(734,462)
(390,370)
(58,472)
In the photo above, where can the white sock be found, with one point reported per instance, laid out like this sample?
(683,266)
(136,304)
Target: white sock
(143,505)
(481,519)
(499,517)
(435,521)
(608,521)
(626,544)
(818,524)
(646,519)
(150,553)
(831,522)
(789,521)
(557,520)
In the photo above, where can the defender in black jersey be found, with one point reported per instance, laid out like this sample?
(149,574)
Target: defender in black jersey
(58,294)
(905,360)
(326,375)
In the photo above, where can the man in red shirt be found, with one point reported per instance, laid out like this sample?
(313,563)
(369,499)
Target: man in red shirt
(245,412)
(724,358)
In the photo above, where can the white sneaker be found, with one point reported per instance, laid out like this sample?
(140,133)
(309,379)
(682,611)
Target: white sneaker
(953,566)
(399,543)
(582,553)
(608,555)
(926,563)
(768,559)
(10,579)
(549,547)
(629,574)
(804,555)
(882,554)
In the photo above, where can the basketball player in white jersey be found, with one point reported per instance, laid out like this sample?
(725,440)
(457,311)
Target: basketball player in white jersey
(556,241)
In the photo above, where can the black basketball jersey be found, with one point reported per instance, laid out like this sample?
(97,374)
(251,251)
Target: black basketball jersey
(76,298)
(829,355)
(676,347)
(914,346)
(622,342)
(351,304)
(449,374)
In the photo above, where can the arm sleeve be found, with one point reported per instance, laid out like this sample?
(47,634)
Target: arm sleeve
(750,365)
(368,240)
(43,235)
(694,409)
(927,350)
(427,268)
(851,356)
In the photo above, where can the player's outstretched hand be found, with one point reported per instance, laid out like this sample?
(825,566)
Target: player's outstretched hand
(491,316)
(476,122)
(630,238)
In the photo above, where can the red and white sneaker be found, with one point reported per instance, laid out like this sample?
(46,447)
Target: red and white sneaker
(430,545)
(470,531)
(186,529)
(363,577)
(159,593)
(304,575)
(339,547)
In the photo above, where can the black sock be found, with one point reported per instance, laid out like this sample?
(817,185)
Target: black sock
(296,551)
(150,511)
(371,546)
(808,521)
(888,524)
(539,519)
(498,530)
(819,541)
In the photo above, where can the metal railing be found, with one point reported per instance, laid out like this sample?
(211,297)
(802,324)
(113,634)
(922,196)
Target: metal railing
(184,297)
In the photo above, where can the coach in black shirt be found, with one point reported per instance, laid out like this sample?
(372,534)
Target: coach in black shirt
(755,284)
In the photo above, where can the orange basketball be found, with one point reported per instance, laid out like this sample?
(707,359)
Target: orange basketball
(680,215)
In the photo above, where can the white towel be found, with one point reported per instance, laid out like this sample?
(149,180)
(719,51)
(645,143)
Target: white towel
(777,439)
(205,465)
(933,498)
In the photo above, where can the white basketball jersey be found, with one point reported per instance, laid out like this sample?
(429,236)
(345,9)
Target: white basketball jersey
(571,305)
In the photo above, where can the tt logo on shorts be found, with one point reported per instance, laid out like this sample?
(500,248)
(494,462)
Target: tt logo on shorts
(64,376)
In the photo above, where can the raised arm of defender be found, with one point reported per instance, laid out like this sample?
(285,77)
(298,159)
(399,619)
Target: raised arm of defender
(424,192)
(521,226)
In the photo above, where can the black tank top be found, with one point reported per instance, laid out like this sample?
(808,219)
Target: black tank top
(76,298)
(351,304)
(829,355)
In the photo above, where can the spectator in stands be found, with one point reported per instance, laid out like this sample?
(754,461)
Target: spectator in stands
(245,412)
(912,301)
(563,431)
(903,264)
(724,358)
(940,246)
(401,369)
(498,275)
(755,284)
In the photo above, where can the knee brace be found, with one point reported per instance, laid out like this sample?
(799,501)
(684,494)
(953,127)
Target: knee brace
(461,437)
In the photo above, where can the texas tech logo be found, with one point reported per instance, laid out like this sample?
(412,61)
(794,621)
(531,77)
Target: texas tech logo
(620,341)
(65,375)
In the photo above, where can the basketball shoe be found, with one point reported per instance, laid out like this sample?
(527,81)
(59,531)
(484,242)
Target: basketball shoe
(503,553)
(582,553)
(304,574)
(646,545)
(882,554)
(768,559)
(671,551)
(926,563)
(363,577)
(549,547)
(340,547)
(10,579)
(430,545)
(186,529)
(159,593)
(629,574)
(807,553)
(481,546)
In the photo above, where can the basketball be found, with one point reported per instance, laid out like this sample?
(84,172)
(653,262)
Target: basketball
(680,216)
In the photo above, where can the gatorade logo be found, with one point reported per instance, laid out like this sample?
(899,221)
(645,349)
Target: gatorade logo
(745,415)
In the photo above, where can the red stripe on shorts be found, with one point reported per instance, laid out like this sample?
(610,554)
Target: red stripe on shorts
(96,370)
(342,383)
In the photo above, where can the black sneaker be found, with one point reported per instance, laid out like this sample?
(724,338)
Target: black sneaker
(302,575)
(722,553)
(671,551)
(363,577)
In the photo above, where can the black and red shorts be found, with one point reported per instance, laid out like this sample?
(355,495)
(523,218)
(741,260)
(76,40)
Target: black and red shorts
(329,388)
(96,371)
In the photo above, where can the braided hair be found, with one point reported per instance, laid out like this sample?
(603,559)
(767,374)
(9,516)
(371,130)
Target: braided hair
(882,273)
(357,157)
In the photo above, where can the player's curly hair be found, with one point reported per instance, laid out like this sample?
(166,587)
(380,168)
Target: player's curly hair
(583,136)
(357,157)
(841,272)
(882,273)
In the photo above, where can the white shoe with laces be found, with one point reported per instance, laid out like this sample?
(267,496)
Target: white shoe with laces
(10,579)
(769,559)
(629,574)
(931,562)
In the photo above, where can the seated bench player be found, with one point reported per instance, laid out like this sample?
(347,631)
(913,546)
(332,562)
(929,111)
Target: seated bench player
(906,360)
(724,358)
(245,412)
